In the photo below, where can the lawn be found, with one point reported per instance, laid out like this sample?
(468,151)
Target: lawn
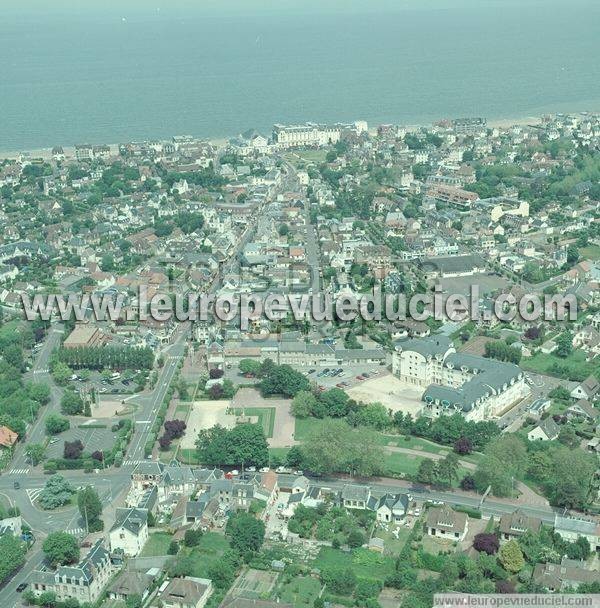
(396,461)
(305,426)
(573,367)
(157,544)
(266,417)
(405,465)
(301,591)
(307,156)
(182,410)
(392,545)
(591,252)
(364,563)
(279,453)
(187,456)
(210,549)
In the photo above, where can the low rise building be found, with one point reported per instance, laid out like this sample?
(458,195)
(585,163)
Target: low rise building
(130,531)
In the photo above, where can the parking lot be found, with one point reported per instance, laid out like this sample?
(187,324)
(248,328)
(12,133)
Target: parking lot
(117,383)
(93,439)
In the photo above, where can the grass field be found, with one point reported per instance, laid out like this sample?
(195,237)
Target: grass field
(307,156)
(187,456)
(266,417)
(404,465)
(393,545)
(575,365)
(591,252)
(364,563)
(395,462)
(210,549)
(157,544)
(301,591)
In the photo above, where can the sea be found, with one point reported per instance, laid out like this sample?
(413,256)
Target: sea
(91,71)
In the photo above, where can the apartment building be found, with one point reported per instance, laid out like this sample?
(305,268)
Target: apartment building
(476,387)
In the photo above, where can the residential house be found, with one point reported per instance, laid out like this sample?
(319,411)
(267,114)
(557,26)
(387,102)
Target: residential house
(187,592)
(583,409)
(566,575)
(443,522)
(513,525)
(546,430)
(589,389)
(130,531)
(571,528)
(355,496)
(130,584)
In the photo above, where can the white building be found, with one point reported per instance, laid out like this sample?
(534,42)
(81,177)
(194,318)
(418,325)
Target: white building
(310,134)
(476,387)
(129,532)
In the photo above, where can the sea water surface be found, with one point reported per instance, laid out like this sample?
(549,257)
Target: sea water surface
(75,71)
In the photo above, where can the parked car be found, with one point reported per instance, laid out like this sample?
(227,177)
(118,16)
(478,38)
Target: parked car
(22,587)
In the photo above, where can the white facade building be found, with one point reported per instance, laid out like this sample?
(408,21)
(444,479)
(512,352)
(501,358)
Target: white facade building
(476,387)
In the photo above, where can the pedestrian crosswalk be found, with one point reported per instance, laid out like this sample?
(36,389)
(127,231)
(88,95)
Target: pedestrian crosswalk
(76,531)
(44,370)
(131,463)
(33,494)
(18,472)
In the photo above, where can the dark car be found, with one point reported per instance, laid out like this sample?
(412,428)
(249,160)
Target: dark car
(22,587)
(16,485)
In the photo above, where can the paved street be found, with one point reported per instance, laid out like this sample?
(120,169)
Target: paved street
(40,372)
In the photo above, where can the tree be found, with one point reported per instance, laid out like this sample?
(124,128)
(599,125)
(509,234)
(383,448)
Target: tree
(511,557)
(463,446)
(73,449)
(564,344)
(303,404)
(39,392)
(283,380)
(165,443)
(486,542)
(173,548)
(467,483)
(295,457)
(56,424)
(356,539)
(61,372)
(12,555)
(505,460)
(215,373)
(246,533)
(175,428)
(61,549)
(332,403)
(71,403)
(339,581)
(56,493)
(243,444)
(567,436)
(427,472)
(571,478)
(249,366)
(374,415)
(35,452)
(192,538)
(447,468)
(90,508)
(334,446)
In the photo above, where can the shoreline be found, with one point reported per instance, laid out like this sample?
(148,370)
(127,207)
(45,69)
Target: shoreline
(500,123)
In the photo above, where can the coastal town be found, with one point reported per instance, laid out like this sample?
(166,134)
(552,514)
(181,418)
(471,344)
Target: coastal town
(151,462)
